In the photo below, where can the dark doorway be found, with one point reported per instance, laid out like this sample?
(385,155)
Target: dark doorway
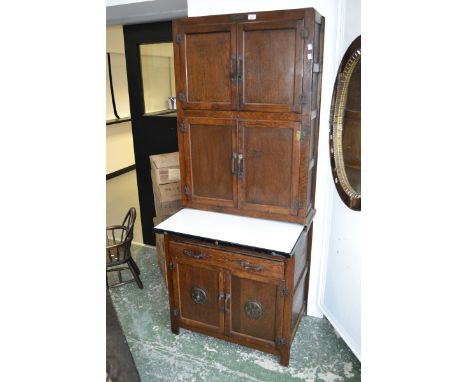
(154,127)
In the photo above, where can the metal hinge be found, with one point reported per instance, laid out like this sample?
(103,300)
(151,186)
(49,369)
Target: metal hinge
(316,68)
(284,291)
(182,127)
(304,33)
(175,312)
(303,100)
(178,39)
(280,341)
(171,266)
(300,135)
(181,96)
(297,204)
(186,190)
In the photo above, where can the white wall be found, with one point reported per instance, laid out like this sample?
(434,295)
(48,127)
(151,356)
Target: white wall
(340,298)
(119,138)
(334,282)
(119,146)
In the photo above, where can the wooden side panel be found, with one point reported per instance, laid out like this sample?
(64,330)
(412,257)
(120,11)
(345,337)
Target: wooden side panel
(270,65)
(269,171)
(319,29)
(300,256)
(298,305)
(209,146)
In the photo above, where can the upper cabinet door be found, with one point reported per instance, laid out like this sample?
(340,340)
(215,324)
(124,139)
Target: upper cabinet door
(210,151)
(269,158)
(206,56)
(270,65)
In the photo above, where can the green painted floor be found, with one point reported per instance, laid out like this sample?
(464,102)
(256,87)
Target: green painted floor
(317,353)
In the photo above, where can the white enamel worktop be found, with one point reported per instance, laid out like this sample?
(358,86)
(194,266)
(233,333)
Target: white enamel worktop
(259,233)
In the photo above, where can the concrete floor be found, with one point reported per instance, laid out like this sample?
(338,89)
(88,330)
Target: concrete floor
(121,194)
(317,353)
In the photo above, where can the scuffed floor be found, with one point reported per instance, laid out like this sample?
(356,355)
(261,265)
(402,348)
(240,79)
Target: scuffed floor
(317,353)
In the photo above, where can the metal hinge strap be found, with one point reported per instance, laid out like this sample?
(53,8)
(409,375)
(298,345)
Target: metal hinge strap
(182,127)
(181,96)
(171,266)
(178,39)
(297,204)
(186,190)
(303,100)
(300,135)
(175,312)
(280,341)
(316,68)
(284,291)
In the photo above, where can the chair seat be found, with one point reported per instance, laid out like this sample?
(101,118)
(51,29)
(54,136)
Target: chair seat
(117,254)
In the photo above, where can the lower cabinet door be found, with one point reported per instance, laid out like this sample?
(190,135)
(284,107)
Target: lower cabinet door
(256,310)
(198,296)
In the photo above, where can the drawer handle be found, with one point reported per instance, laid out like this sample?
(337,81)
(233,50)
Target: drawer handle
(194,255)
(246,265)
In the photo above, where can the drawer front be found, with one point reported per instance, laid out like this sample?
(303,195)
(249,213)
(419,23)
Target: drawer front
(236,263)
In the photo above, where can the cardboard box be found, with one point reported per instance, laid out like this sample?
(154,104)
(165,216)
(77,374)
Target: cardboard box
(167,208)
(165,168)
(165,160)
(167,175)
(168,192)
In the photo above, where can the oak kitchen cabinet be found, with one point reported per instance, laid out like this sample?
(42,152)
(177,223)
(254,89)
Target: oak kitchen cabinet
(248,106)
(240,293)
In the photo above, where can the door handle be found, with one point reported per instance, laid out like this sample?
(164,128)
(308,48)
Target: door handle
(234,164)
(194,255)
(221,297)
(239,69)
(240,165)
(233,69)
(253,267)
(225,297)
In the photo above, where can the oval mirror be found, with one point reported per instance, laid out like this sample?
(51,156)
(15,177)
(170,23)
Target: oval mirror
(345,128)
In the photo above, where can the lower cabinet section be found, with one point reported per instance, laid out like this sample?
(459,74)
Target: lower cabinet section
(239,295)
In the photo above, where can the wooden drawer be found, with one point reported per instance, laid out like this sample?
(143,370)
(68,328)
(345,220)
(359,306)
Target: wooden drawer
(235,262)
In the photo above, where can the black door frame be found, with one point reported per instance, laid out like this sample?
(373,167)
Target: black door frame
(151,134)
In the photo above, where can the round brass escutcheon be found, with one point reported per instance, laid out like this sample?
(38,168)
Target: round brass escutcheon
(253,309)
(199,295)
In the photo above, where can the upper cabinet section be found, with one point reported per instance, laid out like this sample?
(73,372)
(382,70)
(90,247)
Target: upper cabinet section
(246,62)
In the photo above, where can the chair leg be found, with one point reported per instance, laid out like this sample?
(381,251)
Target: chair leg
(135,266)
(135,274)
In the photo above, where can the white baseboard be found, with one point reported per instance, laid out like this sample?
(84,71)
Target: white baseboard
(313,310)
(143,245)
(342,332)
